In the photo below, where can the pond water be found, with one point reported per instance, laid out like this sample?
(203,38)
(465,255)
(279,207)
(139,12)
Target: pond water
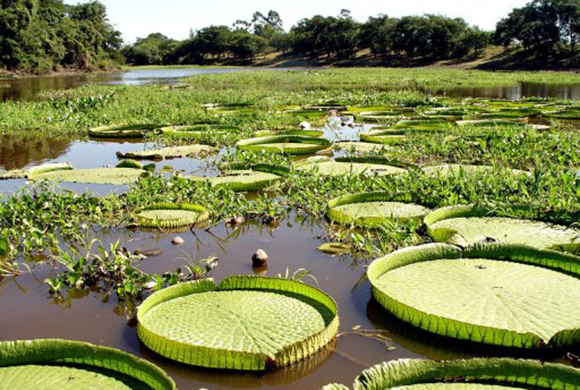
(30,88)
(94,318)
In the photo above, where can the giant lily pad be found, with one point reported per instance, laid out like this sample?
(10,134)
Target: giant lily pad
(425,124)
(60,364)
(471,374)
(301,132)
(123,131)
(244,323)
(285,144)
(171,215)
(349,166)
(171,152)
(385,137)
(198,131)
(372,209)
(508,295)
(463,225)
(113,176)
(446,170)
(361,147)
(255,178)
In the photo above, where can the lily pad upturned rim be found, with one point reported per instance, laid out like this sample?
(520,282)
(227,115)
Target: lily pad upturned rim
(55,352)
(302,132)
(454,328)
(475,211)
(266,175)
(337,216)
(371,160)
(202,216)
(236,360)
(315,144)
(496,371)
(107,176)
(124,131)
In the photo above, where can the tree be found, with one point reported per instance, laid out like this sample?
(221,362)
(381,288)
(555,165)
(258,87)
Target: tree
(155,49)
(377,34)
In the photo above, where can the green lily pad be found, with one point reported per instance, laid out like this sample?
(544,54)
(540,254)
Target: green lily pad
(349,166)
(171,152)
(256,178)
(425,124)
(446,170)
(198,131)
(476,374)
(123,131)
(508,295)
(113,176)
(335,248)
(285,144)
(464,225)
(171,215)
(301,132)
(245,323)
(385,137)
(48,365)
(372,210)
(361,147)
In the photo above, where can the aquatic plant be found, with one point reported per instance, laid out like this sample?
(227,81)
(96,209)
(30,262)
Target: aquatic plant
(430,286)
(182,322)
(480,373)
(285,144)
(76,365)
(171,215)
(123,131)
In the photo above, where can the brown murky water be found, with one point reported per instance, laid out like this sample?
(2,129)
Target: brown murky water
(28,312)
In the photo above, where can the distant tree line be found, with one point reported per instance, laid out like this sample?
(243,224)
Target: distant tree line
(47,34)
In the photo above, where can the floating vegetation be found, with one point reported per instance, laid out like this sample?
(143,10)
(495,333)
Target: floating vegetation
(60,364)
(171,215)
(464,225)
(113,176)
(285,144)
(372,210)
(300,132)
(256,178)
(432,285)
(326,166)
(360,147)
(446,170)
(171,152)
(199,131)
(385,137)
(124,131)
(335,248)
(244,323)
(425,124)
(471,374)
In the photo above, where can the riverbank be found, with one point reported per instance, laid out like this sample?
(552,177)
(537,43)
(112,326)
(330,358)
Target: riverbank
(20,74)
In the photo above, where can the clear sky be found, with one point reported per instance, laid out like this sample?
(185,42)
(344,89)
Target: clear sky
(175,18)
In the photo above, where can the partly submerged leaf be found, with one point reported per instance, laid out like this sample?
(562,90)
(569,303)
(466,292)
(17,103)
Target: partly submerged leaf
(245,323)
(123,131)
(349,166)
(372,209)
(171,152)
(47,365)
(114,176)
(505,295)
(476,374)
(464,225)
(171,215)
(335,248)
(285,144)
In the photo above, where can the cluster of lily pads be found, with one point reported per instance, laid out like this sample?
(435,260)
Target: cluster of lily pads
(488,278)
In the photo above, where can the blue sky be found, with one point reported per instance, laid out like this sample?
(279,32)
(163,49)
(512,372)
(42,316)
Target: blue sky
(174,18)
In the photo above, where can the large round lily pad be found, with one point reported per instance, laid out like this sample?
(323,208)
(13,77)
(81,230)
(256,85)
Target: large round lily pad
(245,323)
(349,166)
(446,170)
(255,178)
(170,152)
(385,137)
(171,215)
(476,374)
(113,176)
(285,144)
(506,295)
(123,131)
(48,365)
(361,147)
(198,131)
(301,132)
(372,209)
(464,225)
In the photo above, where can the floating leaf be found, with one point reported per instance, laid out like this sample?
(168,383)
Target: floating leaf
(349,166)
(285,144)
(372,209)
(245,323)
(508,295)
(171,215)
(113,176)
(123,131)
(48,364)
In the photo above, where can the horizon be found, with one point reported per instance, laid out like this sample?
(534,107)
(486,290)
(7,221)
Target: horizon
(139,18)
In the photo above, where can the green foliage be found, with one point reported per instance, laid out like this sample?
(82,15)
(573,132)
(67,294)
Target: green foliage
(42,35)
